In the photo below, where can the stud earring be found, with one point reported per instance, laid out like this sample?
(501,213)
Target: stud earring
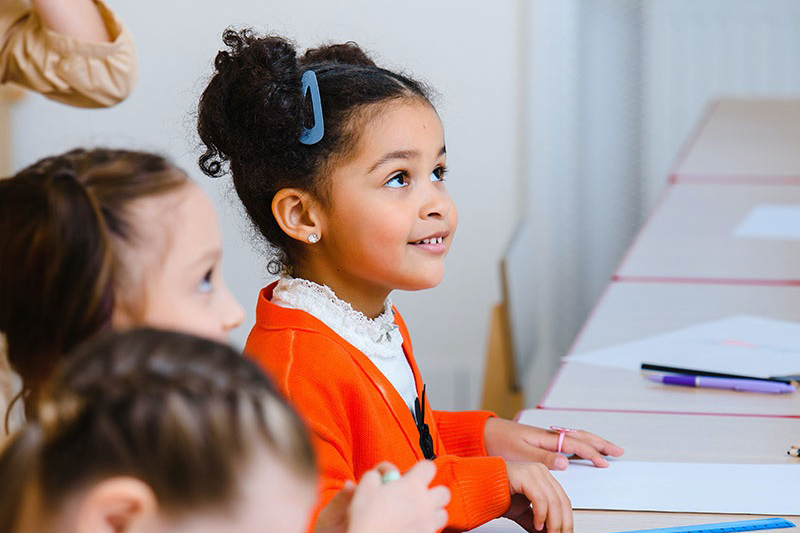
(313,238)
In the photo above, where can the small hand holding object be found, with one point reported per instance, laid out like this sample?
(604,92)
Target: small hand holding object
(522,443)
(388,502)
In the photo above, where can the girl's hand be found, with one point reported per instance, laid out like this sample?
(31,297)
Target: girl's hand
(406,505)
(518,442)
(532,484)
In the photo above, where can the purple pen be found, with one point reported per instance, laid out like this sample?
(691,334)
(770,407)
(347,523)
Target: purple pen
(749,385)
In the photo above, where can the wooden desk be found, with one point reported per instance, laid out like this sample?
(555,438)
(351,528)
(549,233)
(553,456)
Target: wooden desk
(691,235)
(683,438)
(630,311)
(669,437)
(744,141)
(737,142)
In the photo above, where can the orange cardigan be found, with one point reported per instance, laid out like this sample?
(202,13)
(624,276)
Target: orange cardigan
(358,419)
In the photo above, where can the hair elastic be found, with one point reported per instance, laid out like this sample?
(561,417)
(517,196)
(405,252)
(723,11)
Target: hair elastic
(562,432)
(314,134)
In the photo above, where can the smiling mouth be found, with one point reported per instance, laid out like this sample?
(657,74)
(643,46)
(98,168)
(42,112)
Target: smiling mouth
(432,240)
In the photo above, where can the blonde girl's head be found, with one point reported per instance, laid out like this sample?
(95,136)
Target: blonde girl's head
(85,238)
(382,151)
(164,431)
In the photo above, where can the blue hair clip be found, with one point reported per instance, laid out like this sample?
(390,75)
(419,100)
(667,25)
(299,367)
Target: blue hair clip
(314,134)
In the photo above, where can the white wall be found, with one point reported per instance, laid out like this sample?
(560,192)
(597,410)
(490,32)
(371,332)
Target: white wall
(465,49)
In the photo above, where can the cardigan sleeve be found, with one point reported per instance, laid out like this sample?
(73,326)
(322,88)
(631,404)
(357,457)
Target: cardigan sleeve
(478,486)
(462,431)
(66,69)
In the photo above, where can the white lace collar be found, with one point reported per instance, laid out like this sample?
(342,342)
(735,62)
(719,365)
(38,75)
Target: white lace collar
(377,336)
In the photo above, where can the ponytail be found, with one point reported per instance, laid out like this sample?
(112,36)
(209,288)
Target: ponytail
(64,222)
(55,272)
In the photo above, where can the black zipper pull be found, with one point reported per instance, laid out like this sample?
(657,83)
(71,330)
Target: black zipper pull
(425,439)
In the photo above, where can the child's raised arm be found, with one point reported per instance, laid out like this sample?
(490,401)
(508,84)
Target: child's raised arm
(76,18)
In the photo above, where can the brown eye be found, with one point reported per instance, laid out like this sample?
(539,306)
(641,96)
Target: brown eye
(398,181)
(438,174)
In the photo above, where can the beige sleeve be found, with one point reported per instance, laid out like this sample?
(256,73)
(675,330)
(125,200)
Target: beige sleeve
(69,70)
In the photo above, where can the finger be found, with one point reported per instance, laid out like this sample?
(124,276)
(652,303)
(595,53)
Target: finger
(440,518)
(552,460)
(345,494)
(385,466)
(539,502)
(370,479)
(600,444)
(555,512)
(584,450)
(548,499)
(440,496)
(422,472)
(564,505)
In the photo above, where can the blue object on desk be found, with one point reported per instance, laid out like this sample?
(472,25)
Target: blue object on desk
(723,527)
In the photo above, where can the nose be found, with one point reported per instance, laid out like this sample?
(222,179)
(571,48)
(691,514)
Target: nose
(233,312)
(436,202)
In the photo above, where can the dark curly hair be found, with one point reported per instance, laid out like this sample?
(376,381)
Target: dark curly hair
(252,113)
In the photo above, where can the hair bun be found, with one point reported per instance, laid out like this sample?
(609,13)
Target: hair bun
(349,53)
(255,72)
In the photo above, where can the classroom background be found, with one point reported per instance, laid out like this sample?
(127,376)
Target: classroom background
(567,112)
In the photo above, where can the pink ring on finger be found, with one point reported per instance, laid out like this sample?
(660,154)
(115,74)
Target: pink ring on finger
(562,432)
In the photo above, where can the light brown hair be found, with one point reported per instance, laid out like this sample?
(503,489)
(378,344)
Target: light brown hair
(63,221)
(180,413)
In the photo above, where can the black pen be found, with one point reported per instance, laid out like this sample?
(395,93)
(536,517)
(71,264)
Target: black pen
(676,370)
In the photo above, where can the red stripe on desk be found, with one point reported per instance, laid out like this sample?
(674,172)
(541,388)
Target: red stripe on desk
(708,281)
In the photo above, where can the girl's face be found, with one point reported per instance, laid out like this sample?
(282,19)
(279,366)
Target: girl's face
(176,268)
(390,220)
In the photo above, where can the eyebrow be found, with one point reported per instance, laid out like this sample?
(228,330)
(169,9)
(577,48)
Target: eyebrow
(208,255)
(401,154)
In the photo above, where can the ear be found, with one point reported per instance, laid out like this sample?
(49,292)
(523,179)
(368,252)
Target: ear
(297,213)
(116,505)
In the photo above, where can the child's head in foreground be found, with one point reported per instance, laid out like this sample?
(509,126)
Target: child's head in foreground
(91,239)
(151,431)
(364,209)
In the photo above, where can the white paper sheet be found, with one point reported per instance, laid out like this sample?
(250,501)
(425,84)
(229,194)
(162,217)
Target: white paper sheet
(771,221)
(768,489)
(743,344)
